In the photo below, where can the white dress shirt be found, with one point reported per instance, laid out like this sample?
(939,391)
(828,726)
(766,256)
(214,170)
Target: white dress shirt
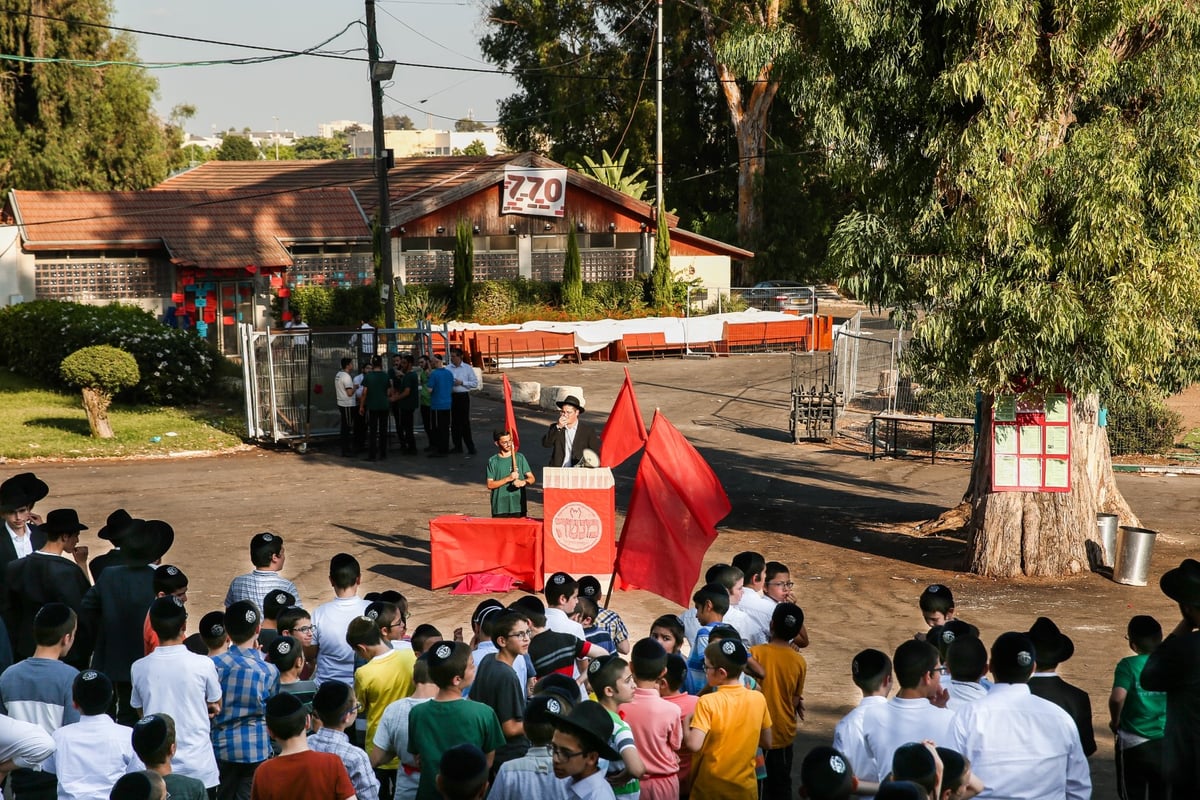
(900,721)
(90,756)
(1021,746)
(557,620)
(335,658)
(22,545)
(466,373)
(172,680)
(964,692)
(848,738)
(734,617)
(758,609)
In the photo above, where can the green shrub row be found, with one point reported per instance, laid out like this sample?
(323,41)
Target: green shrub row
(176,367)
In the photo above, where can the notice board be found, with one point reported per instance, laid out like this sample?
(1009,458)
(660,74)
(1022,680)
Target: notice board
(1031,442)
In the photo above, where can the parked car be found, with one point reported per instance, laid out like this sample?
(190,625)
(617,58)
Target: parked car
(797,298)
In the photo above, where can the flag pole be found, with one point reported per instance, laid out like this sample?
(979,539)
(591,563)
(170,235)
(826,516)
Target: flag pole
(621,541)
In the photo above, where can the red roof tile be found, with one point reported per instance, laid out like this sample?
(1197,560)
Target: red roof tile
(206,228)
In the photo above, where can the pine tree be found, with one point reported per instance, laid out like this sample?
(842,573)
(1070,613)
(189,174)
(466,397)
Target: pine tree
(464,267)
(661,277)
(572,276)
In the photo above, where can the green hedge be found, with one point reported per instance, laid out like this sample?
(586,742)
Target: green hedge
(176,367)
(1140,424)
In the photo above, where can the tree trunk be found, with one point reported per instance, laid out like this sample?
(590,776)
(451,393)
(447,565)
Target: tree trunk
(95,403)
(1014,534)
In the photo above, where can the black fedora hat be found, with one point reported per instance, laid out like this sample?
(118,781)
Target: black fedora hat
(1182,584)
(23,489)
(115,526)
(146,541)
(1051,645)
(571,400)
(62,520)
(592,724)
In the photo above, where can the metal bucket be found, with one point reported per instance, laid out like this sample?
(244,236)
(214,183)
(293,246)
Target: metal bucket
(1106,525)
(1135,546)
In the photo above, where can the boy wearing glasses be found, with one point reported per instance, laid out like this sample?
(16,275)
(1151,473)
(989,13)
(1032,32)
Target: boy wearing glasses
(728,725)
(777,588)
(580,741)
(497,684)
(917,712)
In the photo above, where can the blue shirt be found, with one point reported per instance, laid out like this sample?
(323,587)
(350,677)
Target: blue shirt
(441,385)
(239,732)
(696,678)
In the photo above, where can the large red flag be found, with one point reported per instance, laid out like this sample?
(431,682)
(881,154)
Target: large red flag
(677,502)
(625,432)
(510,419)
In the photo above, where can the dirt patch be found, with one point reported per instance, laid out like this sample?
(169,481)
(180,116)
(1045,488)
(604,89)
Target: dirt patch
(843,523)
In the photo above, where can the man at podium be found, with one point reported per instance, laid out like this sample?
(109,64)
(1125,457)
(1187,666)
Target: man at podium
(568,438)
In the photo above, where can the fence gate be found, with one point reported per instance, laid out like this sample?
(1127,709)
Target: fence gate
(289,375)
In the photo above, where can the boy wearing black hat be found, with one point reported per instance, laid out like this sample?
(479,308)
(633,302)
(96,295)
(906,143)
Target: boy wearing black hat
(91,754)
(153,741)
(568,438)
(580,741)
(20,536)
(114,529)
(297,773)
(450,719)
(337,707)
(267,556)
(784,671)
(871,671)
(239,730)
(46,577)
(1020,745)
(726,728)
(1174,668)
(173,680)
(1053,647)
(532,775)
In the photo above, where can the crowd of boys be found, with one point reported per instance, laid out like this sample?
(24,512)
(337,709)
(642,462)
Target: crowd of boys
(107,690)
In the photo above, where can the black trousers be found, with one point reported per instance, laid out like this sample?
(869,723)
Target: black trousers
(1140,772)
(460,421)
(347,413)
(28,784)
(441,429)
(427,425)
(377,432)
(236,779)
(394,410)
(360,428)
(404,430)
(779,772)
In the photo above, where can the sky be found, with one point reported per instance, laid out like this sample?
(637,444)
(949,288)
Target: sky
(305,91)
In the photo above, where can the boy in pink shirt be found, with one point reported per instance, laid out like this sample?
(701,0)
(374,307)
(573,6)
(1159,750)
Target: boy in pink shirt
(656,724)
(670,688)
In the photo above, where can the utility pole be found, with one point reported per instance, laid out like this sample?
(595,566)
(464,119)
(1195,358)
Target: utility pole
(380,72)
(658,136)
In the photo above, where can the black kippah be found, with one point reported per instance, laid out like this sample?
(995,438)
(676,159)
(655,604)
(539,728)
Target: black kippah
(212,624)
(241,619)
(331,697)
(52,615)
(283,704)
(168,608)
(647,650)
(133,786)
(464,762)
(149,734)
(92,690)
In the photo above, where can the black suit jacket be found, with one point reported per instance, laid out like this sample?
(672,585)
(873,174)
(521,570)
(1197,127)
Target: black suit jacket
(1073,700)
(8,553)
(32,582)
(1174,668)
(556,440)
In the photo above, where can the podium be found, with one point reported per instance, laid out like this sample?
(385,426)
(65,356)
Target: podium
(579,535)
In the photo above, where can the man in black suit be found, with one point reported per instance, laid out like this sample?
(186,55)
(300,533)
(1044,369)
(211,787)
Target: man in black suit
(568,438)
(1174,668)
(1051,648)
(21,537)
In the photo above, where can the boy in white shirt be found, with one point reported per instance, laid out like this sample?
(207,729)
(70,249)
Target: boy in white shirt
(173,680)
(334,657)
(93,753)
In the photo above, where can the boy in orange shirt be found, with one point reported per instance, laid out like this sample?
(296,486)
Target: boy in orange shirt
(783,687)
(727,726)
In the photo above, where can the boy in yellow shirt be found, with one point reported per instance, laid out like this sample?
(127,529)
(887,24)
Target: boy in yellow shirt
(783,687)
(727,726)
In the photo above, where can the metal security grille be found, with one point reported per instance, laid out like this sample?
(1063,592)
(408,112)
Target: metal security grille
(289,376)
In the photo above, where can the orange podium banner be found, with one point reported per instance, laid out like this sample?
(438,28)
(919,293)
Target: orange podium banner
(579,536)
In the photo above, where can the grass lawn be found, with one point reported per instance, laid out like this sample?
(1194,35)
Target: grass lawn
(41,423)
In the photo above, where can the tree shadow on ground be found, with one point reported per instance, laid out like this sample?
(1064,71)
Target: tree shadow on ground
(400,547)
(66,424)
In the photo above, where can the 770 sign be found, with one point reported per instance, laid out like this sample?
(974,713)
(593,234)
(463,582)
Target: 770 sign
(538,192)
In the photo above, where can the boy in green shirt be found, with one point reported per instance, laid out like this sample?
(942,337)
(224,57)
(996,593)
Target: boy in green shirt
(508,474)
(1137,716)
(449,719)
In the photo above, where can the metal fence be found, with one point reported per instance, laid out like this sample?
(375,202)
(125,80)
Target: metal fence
(289,376)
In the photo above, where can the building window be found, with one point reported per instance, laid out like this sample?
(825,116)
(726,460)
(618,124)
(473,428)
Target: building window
(332,269)
(100,279)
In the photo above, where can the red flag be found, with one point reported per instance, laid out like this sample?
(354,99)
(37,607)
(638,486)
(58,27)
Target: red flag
(677,502)
(625,432)
(510,419)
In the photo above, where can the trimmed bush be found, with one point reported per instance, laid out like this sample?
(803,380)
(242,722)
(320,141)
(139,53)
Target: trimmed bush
(176,366)
(102,367)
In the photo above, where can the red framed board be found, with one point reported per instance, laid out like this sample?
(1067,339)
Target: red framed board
(1031,442)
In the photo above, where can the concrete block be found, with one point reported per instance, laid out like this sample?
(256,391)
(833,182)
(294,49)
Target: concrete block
(551,395)
(528,392)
